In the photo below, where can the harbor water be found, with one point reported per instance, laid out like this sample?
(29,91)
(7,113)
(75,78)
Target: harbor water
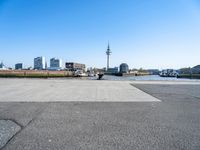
(141,78)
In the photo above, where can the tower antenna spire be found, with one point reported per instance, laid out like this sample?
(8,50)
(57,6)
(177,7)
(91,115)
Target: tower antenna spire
(108,53)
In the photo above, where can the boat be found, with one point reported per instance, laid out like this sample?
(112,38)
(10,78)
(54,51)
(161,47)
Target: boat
(80,73)
(169,73)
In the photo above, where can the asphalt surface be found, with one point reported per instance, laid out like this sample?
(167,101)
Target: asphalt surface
(173,123)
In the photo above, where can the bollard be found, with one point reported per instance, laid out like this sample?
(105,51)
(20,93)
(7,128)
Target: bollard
(100,76)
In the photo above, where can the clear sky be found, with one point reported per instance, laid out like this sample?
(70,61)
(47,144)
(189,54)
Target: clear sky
(143,33)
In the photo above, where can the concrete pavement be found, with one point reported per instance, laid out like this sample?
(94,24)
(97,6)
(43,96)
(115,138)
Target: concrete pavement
(169,124)
(50,90)
(8,129)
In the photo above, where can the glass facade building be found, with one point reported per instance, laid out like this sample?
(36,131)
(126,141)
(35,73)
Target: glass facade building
(124,68)
(18,66)
(39,63)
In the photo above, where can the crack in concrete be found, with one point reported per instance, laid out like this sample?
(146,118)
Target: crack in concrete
(23,127)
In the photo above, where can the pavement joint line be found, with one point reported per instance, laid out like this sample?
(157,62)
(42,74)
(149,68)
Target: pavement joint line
(13,120)
(146,92)
(36,116)
(21,127)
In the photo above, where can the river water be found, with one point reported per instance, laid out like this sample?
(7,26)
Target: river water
(142,78)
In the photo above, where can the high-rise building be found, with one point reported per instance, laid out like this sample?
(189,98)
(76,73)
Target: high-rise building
(45,65)
(18,66)
(2,66)
(55,64)
(39,63)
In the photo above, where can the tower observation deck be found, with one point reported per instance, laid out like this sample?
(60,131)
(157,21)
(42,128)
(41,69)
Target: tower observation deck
(108,53)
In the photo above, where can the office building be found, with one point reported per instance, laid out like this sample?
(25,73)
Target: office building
(124,68)
(55,64)
(196,69)
(114,70)
(2,66)
(18,66)
(72,66)
(39,63)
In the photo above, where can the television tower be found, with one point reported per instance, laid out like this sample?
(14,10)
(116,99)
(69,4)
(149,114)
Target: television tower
(108,53)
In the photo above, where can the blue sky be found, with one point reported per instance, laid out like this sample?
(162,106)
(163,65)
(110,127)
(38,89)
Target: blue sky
(143,33)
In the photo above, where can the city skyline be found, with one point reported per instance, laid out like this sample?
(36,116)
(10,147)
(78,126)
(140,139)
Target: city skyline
(148,34)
